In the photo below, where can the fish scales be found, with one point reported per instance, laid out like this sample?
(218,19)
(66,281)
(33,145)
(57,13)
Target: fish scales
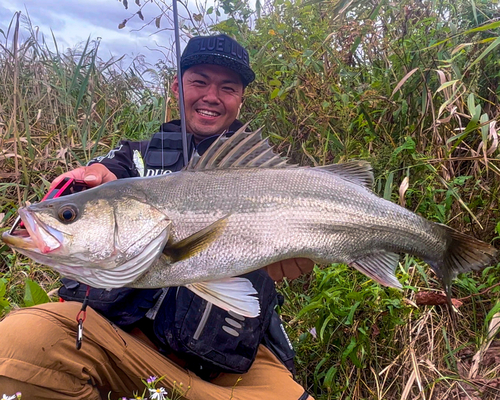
(279,213)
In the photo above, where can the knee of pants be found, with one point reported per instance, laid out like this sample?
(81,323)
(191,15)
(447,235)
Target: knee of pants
(29,333)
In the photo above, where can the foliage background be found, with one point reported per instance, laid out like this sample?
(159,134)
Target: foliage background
(411,86)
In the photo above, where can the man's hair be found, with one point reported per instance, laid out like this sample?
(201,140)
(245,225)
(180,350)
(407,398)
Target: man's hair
(218,50)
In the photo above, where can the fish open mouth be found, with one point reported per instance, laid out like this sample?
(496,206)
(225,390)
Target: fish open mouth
(35,236)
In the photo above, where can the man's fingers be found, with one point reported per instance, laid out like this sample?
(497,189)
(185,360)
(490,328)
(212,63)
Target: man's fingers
(275,271)
(97,174)
(93,175)
(292,268)
(75,174)
(304,264)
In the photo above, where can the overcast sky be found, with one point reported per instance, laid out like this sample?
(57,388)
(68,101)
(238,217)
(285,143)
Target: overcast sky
(73,21)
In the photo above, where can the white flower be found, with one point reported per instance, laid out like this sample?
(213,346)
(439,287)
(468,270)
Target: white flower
(157,394)
(5,397)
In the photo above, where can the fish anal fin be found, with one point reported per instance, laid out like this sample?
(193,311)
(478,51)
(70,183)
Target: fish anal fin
(195,243)
(358,172)
(380,267)
(231,294)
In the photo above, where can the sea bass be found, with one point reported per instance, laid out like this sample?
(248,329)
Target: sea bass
(237,208)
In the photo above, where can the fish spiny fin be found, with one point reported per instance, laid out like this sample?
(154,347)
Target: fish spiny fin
(195,243)
(262,157)
(274,162)
(358,172)
(226,147)
(232,294)
(241,150)
(380,267)
(214,151)
(465,253)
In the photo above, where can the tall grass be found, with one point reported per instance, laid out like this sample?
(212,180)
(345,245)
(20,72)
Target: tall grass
(410,86)
(60,109)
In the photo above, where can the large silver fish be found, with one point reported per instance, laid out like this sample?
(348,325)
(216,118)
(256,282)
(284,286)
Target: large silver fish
(236,209)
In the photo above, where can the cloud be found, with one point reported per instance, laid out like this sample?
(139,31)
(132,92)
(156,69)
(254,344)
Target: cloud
(74,21)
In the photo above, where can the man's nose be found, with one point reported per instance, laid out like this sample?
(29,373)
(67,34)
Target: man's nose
(212,94)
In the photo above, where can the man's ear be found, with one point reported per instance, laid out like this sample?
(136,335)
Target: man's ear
(175,87)
(239,109)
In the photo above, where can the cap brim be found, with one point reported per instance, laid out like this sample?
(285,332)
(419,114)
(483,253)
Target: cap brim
(246,73)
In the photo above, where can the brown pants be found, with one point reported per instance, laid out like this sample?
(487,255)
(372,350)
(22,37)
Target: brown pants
(38,358)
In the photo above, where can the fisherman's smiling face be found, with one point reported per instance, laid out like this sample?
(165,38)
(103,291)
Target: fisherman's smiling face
(212,97)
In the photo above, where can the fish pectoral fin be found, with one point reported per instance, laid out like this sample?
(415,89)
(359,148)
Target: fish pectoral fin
(358,172)
(195,243)
(381,267)
(232,294)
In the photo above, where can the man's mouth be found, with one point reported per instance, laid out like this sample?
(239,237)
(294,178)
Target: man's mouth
(207,113)
(36,235)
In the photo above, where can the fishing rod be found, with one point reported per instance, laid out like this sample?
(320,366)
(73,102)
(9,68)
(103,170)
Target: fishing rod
(181,86)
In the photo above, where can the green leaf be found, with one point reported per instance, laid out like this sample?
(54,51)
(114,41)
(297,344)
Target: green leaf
(485,130)
(309,307)
(471,104)
(349,348)
(484,53)
(324,326)
(486,27)
(34,294)
(477,113)
(275,93)
(210,10)
(446,84)
(474,10)
(355,45)
(350,317)
(493,311)
(388,186)
(328,381)
(4,303)
(3,287)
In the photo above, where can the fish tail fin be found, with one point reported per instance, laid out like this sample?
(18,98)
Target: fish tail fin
(464,253)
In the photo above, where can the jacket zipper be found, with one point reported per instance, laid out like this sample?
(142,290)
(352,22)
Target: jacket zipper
(203,321)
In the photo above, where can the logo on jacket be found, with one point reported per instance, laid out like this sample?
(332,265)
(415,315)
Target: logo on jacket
(156,172)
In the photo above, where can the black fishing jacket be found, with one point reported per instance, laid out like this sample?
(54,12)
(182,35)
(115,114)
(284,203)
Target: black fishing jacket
(178,321)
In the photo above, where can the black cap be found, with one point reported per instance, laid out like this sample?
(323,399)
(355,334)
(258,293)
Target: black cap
(218,50)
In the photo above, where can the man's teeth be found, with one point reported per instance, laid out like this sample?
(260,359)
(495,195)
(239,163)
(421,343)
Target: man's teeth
(208,113)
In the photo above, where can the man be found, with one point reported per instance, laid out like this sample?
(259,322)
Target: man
(168,332)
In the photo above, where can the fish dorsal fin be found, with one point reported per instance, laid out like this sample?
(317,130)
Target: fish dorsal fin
(241,150)
(358,172)
(380,267)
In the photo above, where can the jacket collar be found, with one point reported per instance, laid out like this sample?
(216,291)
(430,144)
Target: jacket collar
(175,126)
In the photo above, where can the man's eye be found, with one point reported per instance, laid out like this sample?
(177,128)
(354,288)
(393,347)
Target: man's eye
(200,82)
(229,89)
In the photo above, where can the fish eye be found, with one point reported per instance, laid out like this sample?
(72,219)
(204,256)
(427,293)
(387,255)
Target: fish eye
(68,213)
